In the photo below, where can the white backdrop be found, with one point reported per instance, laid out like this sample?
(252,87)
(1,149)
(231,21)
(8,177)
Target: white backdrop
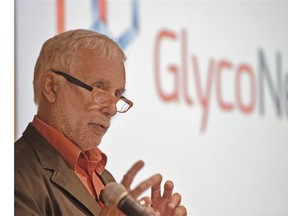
(234,162)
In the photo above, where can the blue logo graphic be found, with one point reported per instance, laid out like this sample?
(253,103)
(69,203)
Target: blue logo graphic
(100,23)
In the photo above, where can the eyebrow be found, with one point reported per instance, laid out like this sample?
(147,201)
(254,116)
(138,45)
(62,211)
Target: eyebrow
(106,83)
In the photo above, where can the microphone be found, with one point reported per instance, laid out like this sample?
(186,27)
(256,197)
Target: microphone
(116,195)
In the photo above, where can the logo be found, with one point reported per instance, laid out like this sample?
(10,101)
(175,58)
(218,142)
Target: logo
(100,22)
(252,87)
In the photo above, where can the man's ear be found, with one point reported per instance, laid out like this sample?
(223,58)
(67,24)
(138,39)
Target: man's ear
(50,87)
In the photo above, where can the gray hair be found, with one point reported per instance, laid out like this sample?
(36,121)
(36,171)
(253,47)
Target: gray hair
(62,51)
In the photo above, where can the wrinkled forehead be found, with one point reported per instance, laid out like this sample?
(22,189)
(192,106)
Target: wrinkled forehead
(93,61)
(113,64)
(91,68)
(104,55)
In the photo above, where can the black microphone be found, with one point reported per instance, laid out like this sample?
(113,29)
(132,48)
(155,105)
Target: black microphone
(116,195)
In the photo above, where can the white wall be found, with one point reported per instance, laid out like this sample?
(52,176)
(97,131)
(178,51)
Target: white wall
(237,163)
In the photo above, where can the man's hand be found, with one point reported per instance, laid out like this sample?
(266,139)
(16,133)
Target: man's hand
(169,204)
(139,189)
(130,175)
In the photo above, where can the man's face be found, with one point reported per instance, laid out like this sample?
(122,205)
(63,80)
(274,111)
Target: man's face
(81,119)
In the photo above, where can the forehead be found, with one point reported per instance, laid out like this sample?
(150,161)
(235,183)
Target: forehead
(92,68)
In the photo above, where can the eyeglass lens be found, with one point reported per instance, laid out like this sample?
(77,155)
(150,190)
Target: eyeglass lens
(104,99)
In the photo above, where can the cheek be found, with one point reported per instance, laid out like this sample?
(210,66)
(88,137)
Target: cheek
(69,120)
(84,135)
(74,113)
(70,113)
(77,123)
(77,97)
(75,117)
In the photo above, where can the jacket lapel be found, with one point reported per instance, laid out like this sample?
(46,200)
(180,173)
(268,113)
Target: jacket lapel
(62,175)
(67,180)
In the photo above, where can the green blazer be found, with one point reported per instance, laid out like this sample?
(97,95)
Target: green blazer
(44,182)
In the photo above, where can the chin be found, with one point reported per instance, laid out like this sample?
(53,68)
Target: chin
(91,143)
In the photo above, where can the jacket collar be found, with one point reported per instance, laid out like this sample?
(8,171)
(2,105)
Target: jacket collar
(62,174)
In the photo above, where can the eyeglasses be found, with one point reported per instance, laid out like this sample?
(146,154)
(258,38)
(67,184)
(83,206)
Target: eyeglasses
(101,97)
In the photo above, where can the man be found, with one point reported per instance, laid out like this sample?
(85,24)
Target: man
(79,81)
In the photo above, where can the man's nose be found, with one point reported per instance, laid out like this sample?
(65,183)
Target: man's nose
(109,110)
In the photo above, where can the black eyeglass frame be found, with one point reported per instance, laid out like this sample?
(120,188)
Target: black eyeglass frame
(79,83)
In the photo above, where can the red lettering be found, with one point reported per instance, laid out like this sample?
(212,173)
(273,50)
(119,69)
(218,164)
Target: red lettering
(174,95)
(204,97)
(243,68)
(102,11)
(221,66)
(60,8)
(187,98)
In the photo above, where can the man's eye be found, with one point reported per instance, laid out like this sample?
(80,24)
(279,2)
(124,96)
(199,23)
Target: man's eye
(99,85)
(118,94)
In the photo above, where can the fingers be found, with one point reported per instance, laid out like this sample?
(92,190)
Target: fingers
(168,204)
(151,212)
(173,206)
(168,189)
(145,201)
(180,211)
(156,192)
(150,182)
(174,201)
(130,175)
